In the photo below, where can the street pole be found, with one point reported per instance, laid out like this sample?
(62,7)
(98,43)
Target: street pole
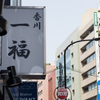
(1,6)
(95,39)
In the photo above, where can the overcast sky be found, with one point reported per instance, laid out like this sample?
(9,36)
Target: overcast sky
(62,18)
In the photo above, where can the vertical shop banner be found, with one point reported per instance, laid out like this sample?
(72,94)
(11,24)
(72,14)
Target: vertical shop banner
(26,91)
(24,44)
(97,50)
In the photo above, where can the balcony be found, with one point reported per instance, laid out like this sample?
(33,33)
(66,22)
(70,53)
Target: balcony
(88,66)
(88,80)
(87,53)
(89,94)
(90,36)
(86,27)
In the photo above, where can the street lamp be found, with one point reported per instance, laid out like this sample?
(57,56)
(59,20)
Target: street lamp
(12,81)
(96,39)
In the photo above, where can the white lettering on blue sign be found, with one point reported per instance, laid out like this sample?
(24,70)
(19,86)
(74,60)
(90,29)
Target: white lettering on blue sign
(27,99)
(98,86)
(98,89)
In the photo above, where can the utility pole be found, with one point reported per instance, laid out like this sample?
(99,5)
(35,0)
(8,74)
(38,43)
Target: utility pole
(97,48)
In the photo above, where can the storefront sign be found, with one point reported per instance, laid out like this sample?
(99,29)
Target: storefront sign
(26,91)
(24,44)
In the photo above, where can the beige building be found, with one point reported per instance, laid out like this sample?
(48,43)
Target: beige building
(72,65)
(82,60)
(87,57)
(75,66)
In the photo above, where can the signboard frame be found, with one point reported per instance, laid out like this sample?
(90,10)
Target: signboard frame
(32,75)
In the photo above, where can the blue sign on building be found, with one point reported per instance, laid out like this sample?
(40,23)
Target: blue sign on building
(26,91)
(98,86)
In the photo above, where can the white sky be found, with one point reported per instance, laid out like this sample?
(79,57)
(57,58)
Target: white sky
(62,18)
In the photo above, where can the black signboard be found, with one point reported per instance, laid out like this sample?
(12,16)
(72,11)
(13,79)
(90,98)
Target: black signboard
(26,91)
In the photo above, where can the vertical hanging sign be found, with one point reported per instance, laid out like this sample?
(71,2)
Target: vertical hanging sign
(95,19)
(24,44)
(96,30)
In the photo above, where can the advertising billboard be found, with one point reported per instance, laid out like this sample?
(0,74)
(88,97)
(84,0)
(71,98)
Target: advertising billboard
(26,91)
(24,44)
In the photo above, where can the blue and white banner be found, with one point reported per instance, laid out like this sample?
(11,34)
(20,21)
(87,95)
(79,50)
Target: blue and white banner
(98,86)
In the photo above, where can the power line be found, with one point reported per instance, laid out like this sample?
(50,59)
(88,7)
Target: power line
(75,70)
(78,71)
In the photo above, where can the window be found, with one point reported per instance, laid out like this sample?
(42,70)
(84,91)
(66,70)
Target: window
(72,55)
(40,84)
(88,60)
(92,86)
(72,67)
(89,45)
(89,87)
(73,92)
(92,57)
(73,79)
(61,53)
(72,42)
(86,47)
(40,92)
(68,65)
(88,73)
(58,56)
(91,72)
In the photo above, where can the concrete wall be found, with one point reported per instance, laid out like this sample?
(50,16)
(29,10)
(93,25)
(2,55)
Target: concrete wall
(75,74)
(51,85)
(87,16)
(44,87)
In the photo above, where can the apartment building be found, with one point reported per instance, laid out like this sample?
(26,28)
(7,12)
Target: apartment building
(81,59)
(87,57)
(72,66)
(75,66)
